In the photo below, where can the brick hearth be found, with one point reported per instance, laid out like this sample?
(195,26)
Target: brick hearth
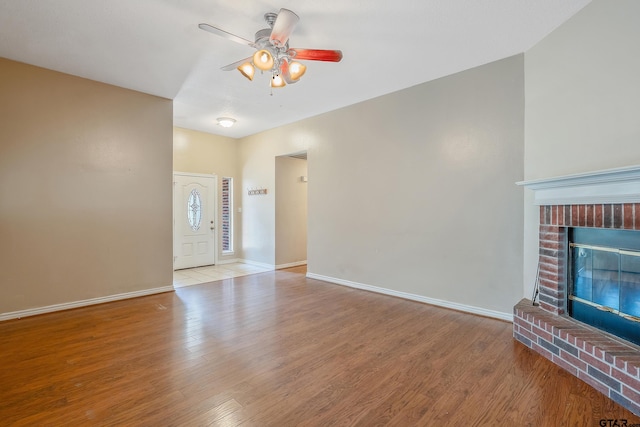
(609,364)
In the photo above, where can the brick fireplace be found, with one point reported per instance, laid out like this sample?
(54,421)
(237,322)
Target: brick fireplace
(609,364)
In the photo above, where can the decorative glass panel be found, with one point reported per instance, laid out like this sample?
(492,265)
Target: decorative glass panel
(194,210)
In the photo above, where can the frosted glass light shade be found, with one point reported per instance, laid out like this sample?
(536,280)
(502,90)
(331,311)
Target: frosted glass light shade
(263,60)
(277,81)
(296,70)
(226,122)
(247,70)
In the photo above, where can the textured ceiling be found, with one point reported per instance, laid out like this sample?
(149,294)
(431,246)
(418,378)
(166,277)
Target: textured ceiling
(156,47)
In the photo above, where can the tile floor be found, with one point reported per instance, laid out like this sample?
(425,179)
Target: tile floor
(195,276)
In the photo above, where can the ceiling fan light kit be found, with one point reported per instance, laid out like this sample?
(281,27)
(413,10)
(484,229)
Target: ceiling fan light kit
(263,60)
(272,50)
(296,70)
(247,70)
(277,81)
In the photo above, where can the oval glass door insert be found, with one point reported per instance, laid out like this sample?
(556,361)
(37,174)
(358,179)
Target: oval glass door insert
(194,210)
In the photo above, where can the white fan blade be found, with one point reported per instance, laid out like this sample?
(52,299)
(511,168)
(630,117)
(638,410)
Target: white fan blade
(226,35)
(283,27)
(235,65)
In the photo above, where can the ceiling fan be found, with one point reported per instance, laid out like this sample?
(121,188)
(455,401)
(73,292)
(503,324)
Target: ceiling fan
(273,52)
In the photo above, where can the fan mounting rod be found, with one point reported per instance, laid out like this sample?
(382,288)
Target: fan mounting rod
(270,17)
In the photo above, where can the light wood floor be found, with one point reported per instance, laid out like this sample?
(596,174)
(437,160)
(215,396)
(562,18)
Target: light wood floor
(277,349)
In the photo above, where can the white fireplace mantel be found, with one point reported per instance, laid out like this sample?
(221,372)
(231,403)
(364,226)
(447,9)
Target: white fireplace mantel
(620,185)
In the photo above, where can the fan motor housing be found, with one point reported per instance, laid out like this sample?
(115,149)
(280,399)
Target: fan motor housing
(263,36)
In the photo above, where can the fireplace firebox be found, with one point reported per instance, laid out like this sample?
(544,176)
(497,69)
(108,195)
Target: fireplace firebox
(604,280)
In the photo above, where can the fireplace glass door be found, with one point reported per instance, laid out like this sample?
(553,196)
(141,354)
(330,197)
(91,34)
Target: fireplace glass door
(605,287)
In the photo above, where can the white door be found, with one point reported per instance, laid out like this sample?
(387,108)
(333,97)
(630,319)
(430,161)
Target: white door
(194,228)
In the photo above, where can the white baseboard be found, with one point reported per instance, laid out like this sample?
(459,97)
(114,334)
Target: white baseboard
(291,264)
(440,303)
(83,303)
(258,264)
(228,261)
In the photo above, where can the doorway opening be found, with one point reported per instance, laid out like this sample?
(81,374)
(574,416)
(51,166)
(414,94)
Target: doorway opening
(291,210)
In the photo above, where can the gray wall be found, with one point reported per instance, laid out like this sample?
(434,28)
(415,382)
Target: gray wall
(582,102)
(411,192)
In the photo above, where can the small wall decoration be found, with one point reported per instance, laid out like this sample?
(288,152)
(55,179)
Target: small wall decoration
(256,191)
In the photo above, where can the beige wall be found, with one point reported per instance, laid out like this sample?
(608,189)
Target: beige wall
(200,152)
(205,153)
(412,192)
(85,189)
(582,102)
(291,211)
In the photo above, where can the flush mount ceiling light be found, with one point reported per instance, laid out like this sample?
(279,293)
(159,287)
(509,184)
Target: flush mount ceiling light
(226,122)
(272,50)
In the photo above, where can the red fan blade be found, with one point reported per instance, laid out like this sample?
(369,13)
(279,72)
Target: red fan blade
(236,64)
(283,27)
(316,54)
(225,34)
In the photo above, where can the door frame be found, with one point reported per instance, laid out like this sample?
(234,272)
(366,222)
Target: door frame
(215,211)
